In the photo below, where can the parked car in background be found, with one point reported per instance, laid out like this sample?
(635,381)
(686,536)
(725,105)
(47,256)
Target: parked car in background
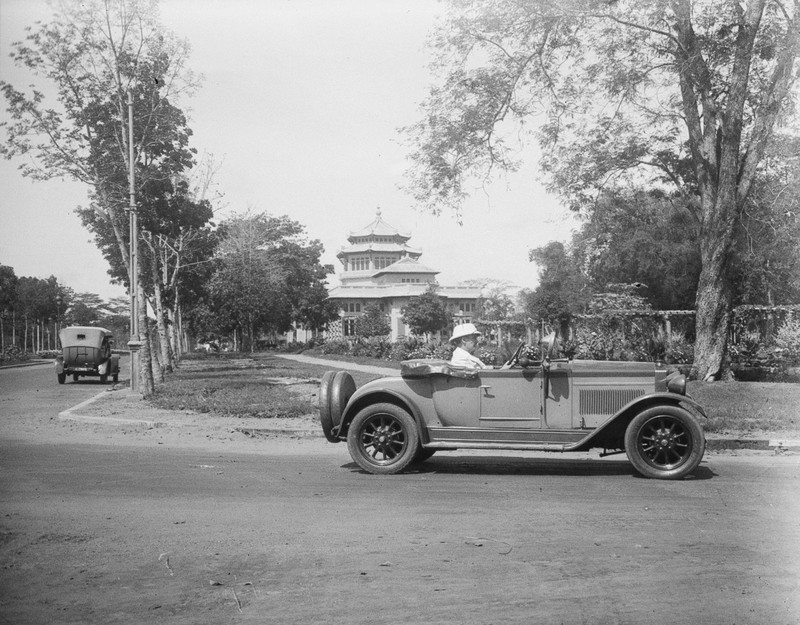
(637,408)
(86,351)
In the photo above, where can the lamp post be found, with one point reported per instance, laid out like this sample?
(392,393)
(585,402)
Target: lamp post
(133,261)
(59,301)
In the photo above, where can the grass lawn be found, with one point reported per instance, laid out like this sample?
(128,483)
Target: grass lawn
(241,385)
(265,385)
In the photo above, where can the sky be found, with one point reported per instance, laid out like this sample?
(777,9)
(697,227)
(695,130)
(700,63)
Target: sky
(300,105)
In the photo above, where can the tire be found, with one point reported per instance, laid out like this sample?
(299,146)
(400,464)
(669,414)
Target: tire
(74,377)
(103,379)
(665,442)
(325,406)
(342,388)
(383,439)
(62,377)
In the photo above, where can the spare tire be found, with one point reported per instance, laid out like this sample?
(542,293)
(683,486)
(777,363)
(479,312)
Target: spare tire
(342,389)
(325,406)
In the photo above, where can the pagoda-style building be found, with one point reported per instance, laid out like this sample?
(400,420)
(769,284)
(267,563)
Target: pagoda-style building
(379,266)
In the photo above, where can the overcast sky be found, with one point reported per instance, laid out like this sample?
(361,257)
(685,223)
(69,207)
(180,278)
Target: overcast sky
(301,103)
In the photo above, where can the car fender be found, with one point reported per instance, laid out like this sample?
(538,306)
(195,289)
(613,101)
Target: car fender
(612,431)
(368,395)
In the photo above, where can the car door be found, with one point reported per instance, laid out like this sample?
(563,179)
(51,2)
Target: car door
(510,398)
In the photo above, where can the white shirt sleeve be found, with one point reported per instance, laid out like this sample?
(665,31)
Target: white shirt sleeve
(462,358)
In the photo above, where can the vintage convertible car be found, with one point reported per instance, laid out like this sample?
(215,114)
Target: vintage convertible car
(636,408)
(86,351)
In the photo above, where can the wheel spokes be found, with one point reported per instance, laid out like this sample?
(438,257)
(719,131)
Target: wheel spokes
(383,439)
(664,442)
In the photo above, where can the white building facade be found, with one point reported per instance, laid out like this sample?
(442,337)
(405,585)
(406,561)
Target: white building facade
(380,267)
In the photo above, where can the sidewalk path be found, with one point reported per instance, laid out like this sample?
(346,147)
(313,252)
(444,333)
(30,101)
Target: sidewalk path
(340,364)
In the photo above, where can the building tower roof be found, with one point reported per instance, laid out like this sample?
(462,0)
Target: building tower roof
(378,228)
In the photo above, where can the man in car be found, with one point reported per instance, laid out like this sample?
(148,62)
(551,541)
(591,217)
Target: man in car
(465,339)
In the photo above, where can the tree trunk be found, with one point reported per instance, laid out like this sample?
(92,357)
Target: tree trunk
(177,329)
(158,368)
(712,321)
(161,326)
(146,383)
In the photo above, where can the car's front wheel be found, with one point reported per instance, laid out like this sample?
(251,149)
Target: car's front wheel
(62,377)
(383,439)
(665,442)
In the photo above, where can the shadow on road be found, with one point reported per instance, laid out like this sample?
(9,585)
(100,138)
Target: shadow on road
(528,466)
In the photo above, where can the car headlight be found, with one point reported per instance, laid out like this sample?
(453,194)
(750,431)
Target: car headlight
(677,384)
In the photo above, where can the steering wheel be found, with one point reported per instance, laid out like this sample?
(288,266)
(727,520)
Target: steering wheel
(514,357)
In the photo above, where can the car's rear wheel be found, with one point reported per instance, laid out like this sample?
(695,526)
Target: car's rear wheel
(74,377)
(383,439)
(665,442)
(62,377)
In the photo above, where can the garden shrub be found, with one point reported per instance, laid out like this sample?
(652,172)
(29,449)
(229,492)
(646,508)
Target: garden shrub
(336,347)
(787,341)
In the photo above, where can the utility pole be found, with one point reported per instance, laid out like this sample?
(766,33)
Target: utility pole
(133,249)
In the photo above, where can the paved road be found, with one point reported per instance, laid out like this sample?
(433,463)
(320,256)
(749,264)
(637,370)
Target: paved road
(103,526)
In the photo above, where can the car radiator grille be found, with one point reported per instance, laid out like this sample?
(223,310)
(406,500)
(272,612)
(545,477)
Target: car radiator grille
(606,401)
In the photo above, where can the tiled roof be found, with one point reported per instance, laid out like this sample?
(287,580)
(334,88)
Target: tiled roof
(405,265)
(406,289)
(378,247)
(379,228)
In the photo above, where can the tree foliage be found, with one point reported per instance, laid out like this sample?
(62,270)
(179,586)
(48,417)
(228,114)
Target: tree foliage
(373,322)
(682,95)
(426,314)
(265,274)
(96,55)
(563,289)
(639,237)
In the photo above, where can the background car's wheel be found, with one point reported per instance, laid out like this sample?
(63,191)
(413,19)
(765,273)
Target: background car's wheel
(74,377)
(383,439)
(62,377)
(665,442)
(325,405)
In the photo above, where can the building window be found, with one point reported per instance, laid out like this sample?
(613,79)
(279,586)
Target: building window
(410,280)
(349,326)
(359,263)
(351,307)
(382,262)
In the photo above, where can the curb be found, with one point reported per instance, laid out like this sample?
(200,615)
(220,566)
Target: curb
(27,363)
(69,415)
(759,444)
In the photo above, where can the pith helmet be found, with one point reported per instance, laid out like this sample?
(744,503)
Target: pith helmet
(465,329)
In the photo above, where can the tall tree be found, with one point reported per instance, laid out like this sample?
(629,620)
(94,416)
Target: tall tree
(8,299)
(641,237)
(628,93)
(265,268)
(96,54)
(563,290)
